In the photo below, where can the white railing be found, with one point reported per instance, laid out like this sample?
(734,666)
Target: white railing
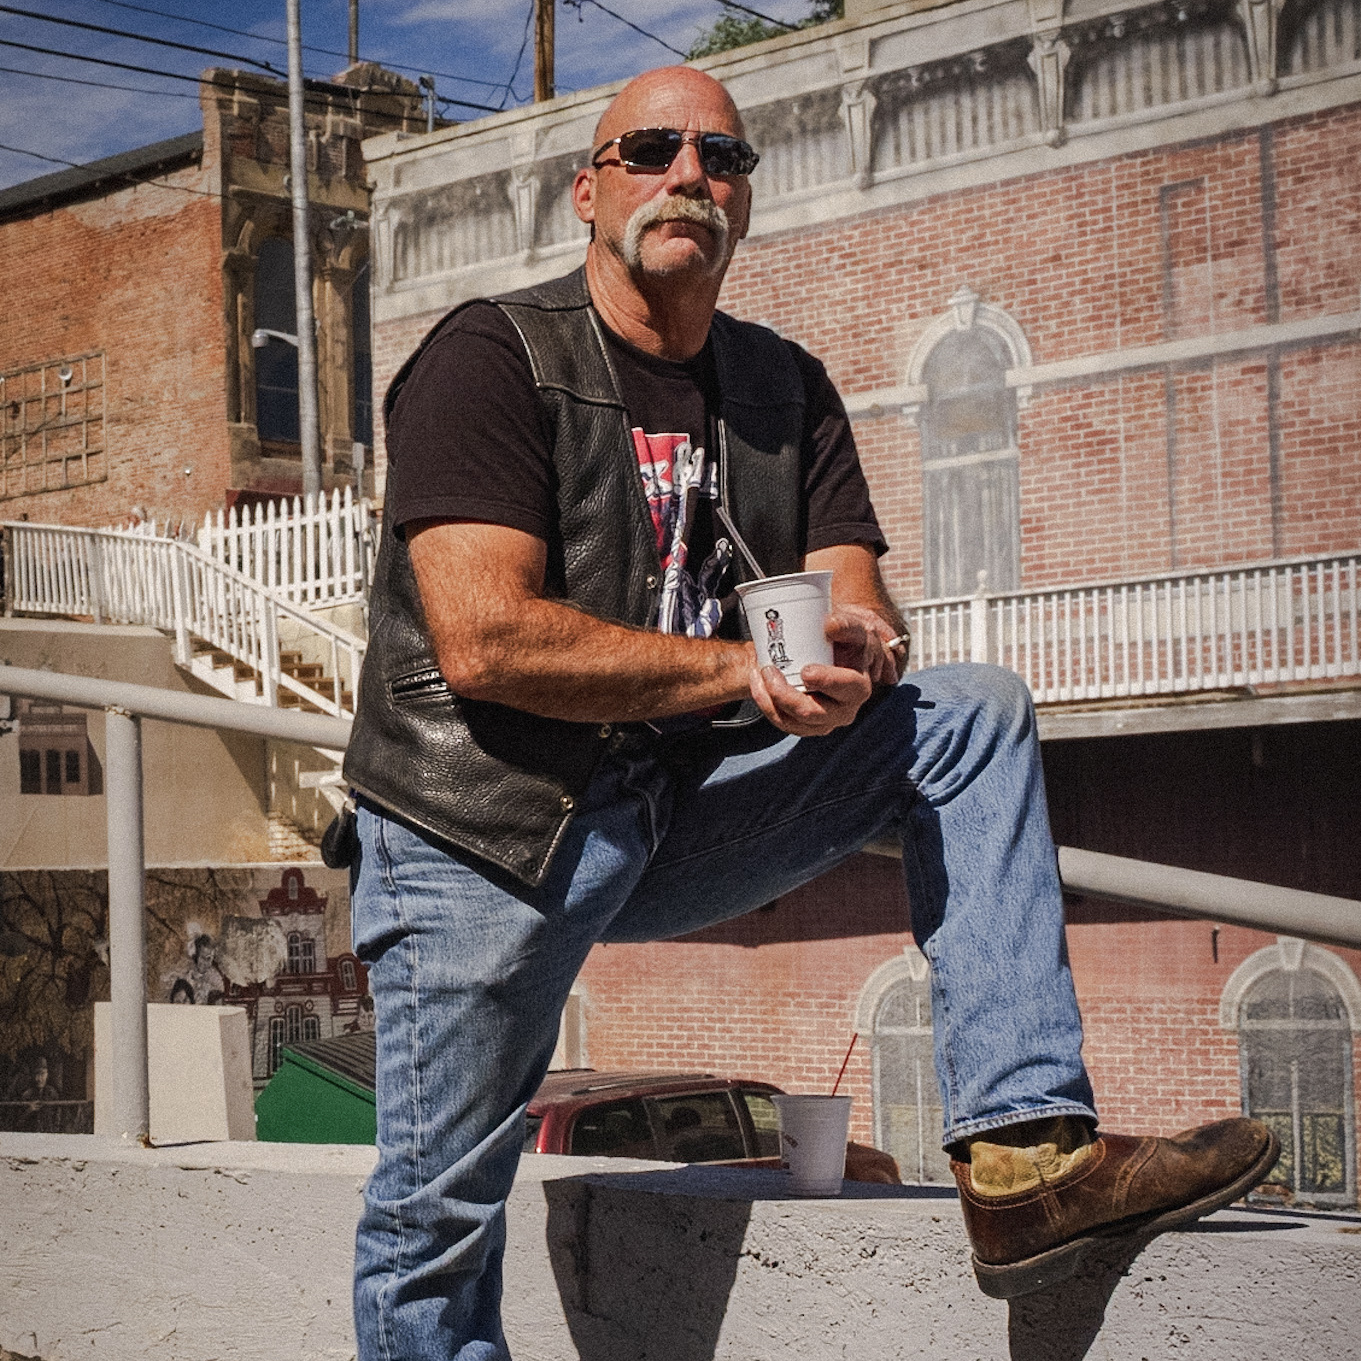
(1267,624)
(309,552)
(121,578)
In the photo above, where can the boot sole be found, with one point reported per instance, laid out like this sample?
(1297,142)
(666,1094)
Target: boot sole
(1045,1269)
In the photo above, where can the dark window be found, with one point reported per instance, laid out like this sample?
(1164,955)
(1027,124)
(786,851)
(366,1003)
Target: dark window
(302,953)
(276,363)
(617,1130)
(908,1119)
(970,494)
(1296,1055)
(533,1123)
(52,760)
(293,1019)
(311,1028)
(30,772)
(363,357)
(72,767)
(701,1128)
(765,1121)
(347,975)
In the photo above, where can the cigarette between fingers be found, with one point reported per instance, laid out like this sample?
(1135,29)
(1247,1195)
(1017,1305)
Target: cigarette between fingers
(900,641)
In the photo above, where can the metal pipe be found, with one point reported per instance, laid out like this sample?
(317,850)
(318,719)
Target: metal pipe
(177,706)
(354,32)
(127,925)
(1214,897)
(302,263)
(1193,893)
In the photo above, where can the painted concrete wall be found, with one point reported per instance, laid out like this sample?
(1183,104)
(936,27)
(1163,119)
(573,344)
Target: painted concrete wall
(193,1253)
(206,793)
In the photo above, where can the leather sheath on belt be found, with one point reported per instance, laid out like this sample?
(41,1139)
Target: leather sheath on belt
(495,781)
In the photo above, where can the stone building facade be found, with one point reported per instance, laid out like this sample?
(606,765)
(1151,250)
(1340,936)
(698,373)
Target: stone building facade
(1088,276)
(134,286)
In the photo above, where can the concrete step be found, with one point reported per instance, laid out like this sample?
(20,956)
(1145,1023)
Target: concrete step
(612,1260)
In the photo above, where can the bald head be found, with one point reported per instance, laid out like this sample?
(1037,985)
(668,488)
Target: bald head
(662,98)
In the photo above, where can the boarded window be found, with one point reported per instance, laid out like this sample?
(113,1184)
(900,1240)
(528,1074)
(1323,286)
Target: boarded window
(1296,1054)
(971,518)
(909,1122)
(52,426)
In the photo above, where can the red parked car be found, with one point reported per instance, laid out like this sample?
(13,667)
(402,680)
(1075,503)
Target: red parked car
(673,1117)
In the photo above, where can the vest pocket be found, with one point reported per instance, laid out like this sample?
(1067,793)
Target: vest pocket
(416,687)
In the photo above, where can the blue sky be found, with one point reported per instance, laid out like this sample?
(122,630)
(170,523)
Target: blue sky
(470,46)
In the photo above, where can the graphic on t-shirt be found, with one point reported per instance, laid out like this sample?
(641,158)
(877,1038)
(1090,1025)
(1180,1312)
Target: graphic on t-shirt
(676,474)
(775,639)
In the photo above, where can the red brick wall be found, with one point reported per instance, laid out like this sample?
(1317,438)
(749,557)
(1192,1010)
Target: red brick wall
(136,274)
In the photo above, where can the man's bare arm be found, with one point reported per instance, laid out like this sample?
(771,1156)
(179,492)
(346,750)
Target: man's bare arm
(497,638)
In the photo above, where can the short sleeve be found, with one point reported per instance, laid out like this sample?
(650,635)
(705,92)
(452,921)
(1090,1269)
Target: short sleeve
(467,438)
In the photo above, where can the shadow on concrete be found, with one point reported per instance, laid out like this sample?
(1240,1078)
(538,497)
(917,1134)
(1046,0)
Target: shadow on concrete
(645,1261)
(1062,1323)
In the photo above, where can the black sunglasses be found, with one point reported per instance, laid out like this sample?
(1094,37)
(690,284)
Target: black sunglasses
(656,148)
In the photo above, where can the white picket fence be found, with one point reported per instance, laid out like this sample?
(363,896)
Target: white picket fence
(314,553)
(1270,623)
(130,577)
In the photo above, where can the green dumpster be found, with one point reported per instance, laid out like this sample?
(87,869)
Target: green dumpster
(322,1093)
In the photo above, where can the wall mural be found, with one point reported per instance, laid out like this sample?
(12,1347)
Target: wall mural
(271,938)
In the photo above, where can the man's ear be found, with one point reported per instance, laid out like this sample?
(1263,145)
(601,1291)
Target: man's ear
(583,194)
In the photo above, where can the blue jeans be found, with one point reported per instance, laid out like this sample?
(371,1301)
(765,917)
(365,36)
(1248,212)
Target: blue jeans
(470,970)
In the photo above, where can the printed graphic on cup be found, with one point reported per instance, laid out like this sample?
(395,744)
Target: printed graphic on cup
(787,618)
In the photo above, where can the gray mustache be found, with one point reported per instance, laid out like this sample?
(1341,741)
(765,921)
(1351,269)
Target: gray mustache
(702,212)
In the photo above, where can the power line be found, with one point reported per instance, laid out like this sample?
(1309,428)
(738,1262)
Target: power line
(280,42)
(577,4)
(756,14)
(141,38)
(96,84)
(158,183)
(520,55)
(316,101)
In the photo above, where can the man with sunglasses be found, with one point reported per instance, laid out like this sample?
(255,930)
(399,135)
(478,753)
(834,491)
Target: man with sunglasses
(562,739)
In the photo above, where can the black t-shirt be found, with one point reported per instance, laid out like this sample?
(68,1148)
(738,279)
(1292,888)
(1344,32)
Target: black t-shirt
(468,438)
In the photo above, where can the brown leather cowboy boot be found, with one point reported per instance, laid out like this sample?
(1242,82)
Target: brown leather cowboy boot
(1121,1187)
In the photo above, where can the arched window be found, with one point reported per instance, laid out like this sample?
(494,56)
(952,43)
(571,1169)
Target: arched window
(311,1028)
(302,953)
(971,515)
(362,348)
(276,361)
(1295,1052)
(908,1119)
(348,980)
(293,1030)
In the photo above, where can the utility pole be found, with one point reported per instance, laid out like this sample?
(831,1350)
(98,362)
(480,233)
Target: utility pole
(354,32)
(302,263)
(543,50)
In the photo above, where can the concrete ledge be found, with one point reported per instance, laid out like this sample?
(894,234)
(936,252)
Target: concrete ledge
(243,1250)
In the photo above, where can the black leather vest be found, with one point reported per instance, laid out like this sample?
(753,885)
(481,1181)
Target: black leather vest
(496,781)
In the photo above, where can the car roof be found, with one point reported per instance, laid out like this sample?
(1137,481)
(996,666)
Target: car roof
(574,1086)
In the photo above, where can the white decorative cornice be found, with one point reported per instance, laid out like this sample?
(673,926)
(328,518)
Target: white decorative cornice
(1289,955)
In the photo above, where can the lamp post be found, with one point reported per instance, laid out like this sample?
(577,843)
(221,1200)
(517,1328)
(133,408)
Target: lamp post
(306,339)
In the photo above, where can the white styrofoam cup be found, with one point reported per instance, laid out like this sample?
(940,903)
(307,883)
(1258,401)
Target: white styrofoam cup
(813,1142)
(787,618)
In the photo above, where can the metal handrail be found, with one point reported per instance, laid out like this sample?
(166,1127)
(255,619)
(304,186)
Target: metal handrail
(1265,907)
(125,706)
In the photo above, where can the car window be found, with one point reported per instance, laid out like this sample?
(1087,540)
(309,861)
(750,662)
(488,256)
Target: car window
(618,1129)
(701,1128)
(765,1121)
(532,1124)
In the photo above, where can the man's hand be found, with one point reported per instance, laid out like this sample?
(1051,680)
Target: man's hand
(835,693)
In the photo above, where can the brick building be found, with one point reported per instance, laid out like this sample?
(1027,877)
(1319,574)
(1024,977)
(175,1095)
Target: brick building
(1088,276)
(134,286)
